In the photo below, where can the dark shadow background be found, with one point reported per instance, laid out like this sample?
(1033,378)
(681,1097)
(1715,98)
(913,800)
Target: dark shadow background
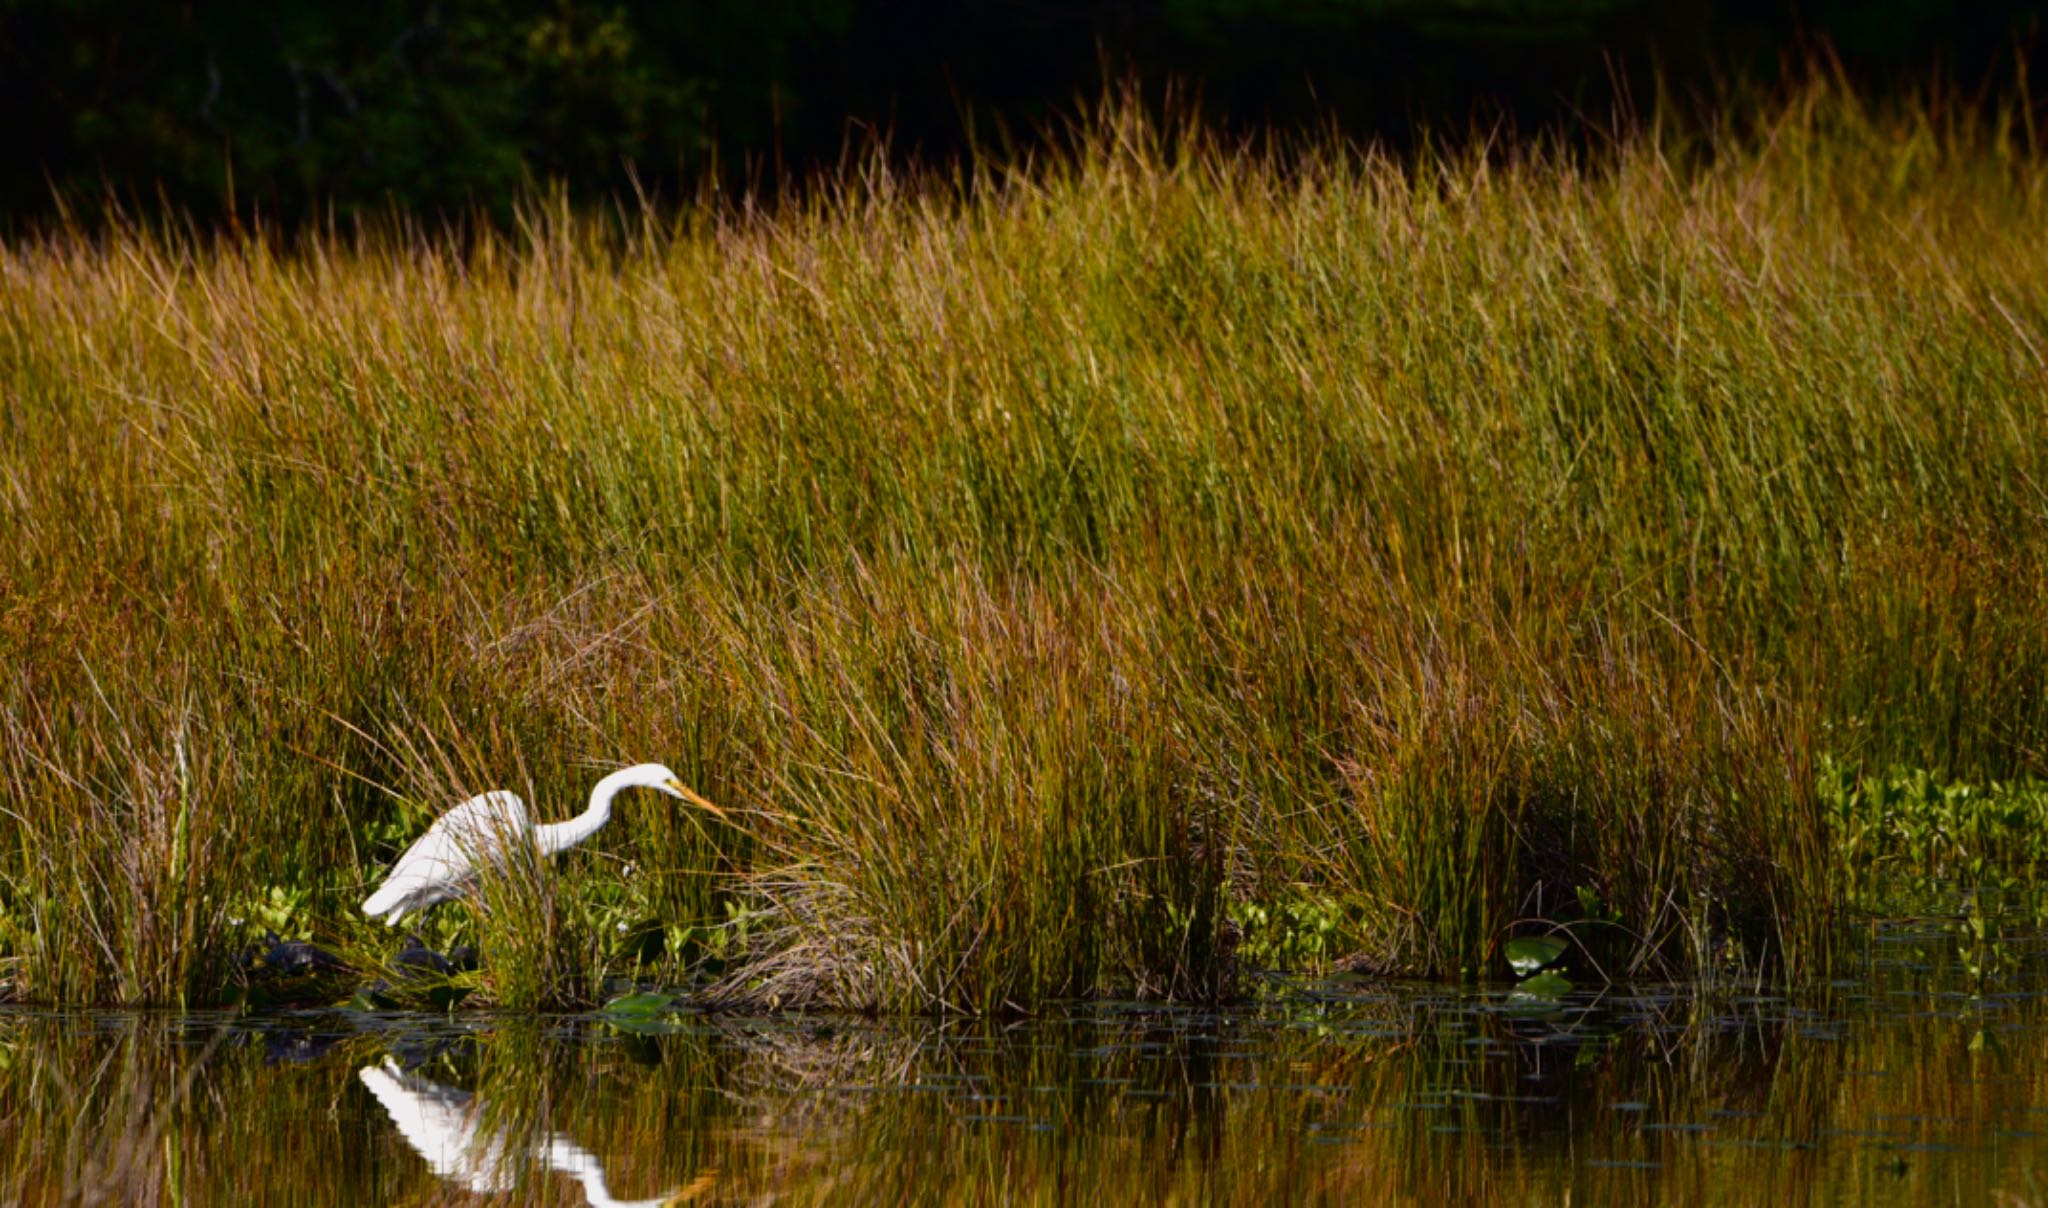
(460,105)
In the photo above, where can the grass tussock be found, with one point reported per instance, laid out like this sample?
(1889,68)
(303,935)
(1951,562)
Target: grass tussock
(1046,569)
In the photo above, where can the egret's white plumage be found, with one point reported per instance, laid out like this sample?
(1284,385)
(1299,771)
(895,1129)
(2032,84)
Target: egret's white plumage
(442,862)
(446,1127)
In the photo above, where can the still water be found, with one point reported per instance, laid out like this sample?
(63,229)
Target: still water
(1921,1080)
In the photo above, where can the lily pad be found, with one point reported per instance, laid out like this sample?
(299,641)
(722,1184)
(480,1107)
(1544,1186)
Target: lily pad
(1546,985)
(643,1005)
(1529,953)
(370,998)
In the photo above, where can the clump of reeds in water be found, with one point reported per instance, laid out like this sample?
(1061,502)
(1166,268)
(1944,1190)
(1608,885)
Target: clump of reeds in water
(1050,565)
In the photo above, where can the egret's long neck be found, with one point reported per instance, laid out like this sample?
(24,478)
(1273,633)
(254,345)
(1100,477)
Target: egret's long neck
(561,836)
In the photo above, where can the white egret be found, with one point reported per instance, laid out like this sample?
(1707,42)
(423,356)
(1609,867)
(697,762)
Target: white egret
(447,1128)
(444,860)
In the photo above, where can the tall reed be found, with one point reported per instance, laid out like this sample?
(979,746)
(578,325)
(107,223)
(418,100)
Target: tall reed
(1045,561)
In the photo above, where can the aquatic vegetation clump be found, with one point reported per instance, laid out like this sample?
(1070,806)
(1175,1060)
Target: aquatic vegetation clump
(1044,564)
(1903,831)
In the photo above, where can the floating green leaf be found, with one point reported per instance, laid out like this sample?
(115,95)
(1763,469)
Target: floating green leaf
(642,1005)
(1528,953)
(1546,985)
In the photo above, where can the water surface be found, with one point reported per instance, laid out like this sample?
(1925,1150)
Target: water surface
(1921,1080)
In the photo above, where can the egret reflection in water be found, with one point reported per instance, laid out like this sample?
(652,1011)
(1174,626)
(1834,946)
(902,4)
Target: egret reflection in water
(446,1127)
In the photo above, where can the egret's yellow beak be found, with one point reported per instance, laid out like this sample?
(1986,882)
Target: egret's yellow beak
(694,798)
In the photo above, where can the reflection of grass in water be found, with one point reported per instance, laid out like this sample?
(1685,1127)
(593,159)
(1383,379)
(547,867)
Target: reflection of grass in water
(1279,1106)
(1045,564)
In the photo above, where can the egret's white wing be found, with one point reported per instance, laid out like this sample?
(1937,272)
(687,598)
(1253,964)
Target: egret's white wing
(440,1124)
(435,867)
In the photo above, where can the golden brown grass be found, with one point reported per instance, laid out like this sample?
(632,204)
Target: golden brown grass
(1048,564)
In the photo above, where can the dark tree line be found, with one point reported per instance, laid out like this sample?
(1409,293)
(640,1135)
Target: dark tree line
(457,104)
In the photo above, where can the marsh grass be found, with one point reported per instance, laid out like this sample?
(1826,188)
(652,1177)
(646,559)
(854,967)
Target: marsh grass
(120,885)
(1041,561)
